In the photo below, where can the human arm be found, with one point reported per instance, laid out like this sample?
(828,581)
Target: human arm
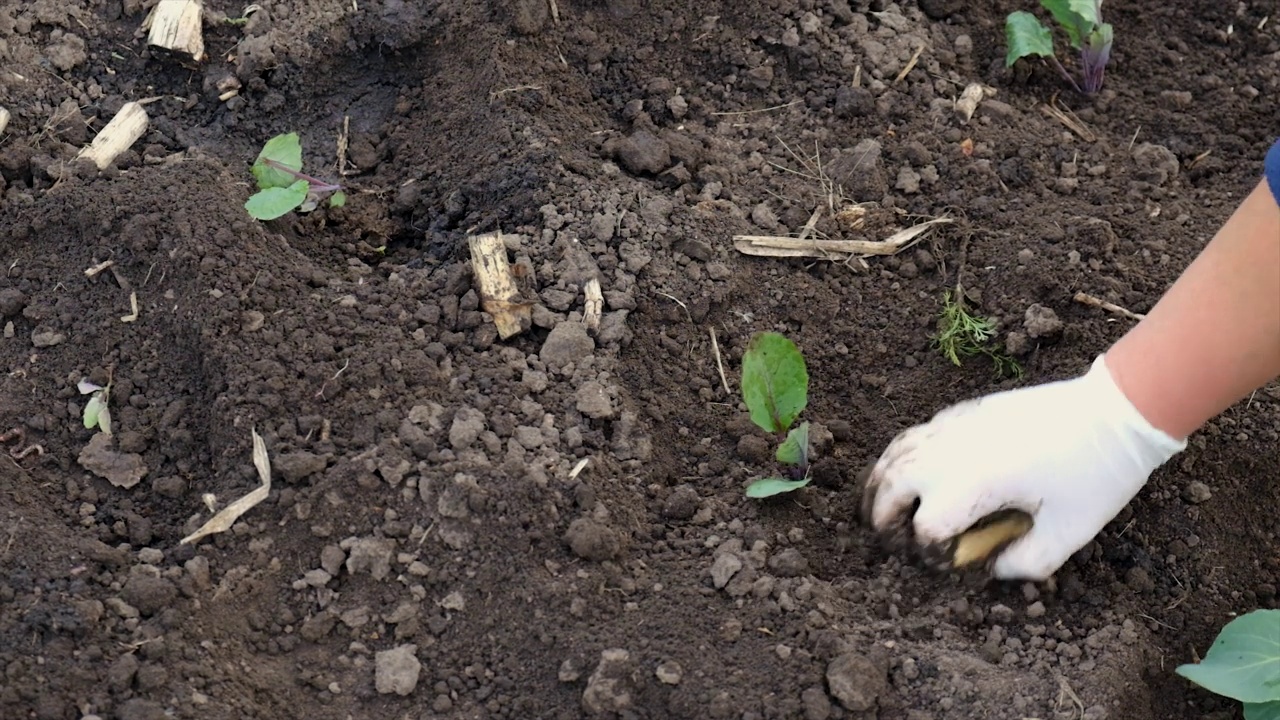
(1073,453)
(1215,335)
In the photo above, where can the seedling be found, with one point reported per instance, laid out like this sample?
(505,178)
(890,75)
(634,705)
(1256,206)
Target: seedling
(775,386)
(965,335)
(1081,20)
(97,412)
(1244,664)
(282,187)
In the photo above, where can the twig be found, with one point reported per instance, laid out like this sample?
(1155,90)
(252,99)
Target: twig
(1110,307)
(1065,689)
(715,348)
(90,272)
(325,384)
(677,301)
(911,64)
(758,110)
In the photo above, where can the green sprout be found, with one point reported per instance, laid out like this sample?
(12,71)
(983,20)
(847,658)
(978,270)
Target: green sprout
(775,386)
(1081,21)
(1244,664)
(282,187)
(965,335)
(97,412)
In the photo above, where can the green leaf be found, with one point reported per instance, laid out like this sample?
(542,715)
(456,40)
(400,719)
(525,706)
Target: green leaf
(1262,711)
(1244,661)
(1076,17)
(92,409)
(795,450)
(271,203)
(284,149)
(775,383)
(338,199)
(1026,36)
(768,487)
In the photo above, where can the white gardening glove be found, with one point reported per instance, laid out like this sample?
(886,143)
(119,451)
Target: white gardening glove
(1071,453)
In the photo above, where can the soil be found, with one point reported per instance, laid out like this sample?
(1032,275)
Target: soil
(553,525)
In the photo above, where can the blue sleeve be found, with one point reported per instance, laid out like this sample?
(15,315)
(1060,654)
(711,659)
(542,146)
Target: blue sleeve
(1271,170)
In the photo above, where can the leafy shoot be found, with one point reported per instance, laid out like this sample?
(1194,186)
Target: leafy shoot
(97,412)
(283,187)
(1081,21)
(965,335)
(775,387)
(1244,664)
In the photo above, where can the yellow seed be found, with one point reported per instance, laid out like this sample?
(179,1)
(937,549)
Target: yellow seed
(987,536)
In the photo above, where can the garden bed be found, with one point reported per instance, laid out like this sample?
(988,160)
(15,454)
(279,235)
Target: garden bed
(430,498)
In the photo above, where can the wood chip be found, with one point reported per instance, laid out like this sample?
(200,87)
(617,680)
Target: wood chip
(780,246)
(594,304)
(499,295)
(4,119)
(176,26)
(972,96)
(119,135)
(225,519)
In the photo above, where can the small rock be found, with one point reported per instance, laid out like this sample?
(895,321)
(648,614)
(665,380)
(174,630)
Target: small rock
(124,470)
(682,503)
(397,670)
(371,555)
(853,102)
(643,152)
(147,592)
(467,425)
(1196,492)
(754,449)
(908,180)
(1156,163)
(789,563)
(12,301)
(609,689)
(592,540)
(856,681)
(724,568)
(763,216)
(45,337)
(669,673)
(1035,610)
(331,559)
(570,671)
(295,466)
(1017,344)
(593,401)
(817,706)
(568,342)
(1041,322)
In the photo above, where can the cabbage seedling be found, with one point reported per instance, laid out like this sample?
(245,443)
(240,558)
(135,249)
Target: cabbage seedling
(1081,20)
(775,386)
(282,187)
(1244,664)
(97,412)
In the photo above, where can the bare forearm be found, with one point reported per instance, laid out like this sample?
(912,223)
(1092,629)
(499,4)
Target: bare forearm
(1215,335)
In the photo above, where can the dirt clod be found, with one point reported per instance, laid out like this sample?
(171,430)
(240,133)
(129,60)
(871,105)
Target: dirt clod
(592,540)
(856,681)
(397,670)
(611,685)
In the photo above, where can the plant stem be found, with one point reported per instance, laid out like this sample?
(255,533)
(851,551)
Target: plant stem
(316,183)
(1063,72)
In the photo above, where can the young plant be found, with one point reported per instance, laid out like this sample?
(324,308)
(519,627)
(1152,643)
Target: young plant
(97,412)
(1244,664)
(964,335)
(1081,20)
(282,187)
(775,386)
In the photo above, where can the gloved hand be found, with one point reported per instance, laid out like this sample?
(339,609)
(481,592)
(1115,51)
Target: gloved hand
(1071,453)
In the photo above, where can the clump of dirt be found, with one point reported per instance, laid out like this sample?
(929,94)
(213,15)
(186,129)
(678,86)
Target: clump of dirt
(553,525)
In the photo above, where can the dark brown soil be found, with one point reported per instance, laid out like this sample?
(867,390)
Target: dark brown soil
(424,498)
